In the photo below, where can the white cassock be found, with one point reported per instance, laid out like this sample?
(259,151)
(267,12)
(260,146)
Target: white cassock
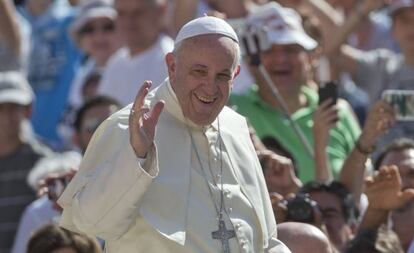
(167,207)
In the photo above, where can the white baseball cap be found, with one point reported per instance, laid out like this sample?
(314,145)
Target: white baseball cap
(283,25)
(14,88)
(206,25)
(89,10)
(397,5)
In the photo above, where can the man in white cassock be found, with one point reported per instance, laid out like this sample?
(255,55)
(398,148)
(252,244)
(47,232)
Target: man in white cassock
(176,170)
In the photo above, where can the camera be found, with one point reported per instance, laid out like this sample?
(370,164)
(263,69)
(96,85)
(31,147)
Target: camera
(252,39)
(56,186)
(301,209)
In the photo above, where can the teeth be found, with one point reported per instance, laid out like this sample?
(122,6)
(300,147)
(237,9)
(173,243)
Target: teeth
(205,99)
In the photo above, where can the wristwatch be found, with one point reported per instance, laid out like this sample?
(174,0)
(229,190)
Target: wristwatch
(364,150)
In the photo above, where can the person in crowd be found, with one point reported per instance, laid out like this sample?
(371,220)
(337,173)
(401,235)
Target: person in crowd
(289,63)
(338,210)
(381,69)
(54,239)
(374,32)
(380,120)
(89,116)
(400,153)
(17,154)
(385,194)
(140,24)
(94,30)
(53,62)
(143,196)
(48,177)
(303,238)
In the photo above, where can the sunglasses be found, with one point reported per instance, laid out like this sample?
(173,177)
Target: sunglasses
(90,29)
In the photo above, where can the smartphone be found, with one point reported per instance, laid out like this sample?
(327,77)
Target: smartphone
(403,103)
(328,90)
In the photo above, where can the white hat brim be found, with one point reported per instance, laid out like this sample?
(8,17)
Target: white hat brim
(16,97)
(292,37)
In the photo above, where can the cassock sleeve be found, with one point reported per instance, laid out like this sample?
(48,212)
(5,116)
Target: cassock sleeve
(276,246)
(103,198)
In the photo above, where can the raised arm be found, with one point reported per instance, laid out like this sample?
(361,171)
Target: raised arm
(379,121)
(340,54)
(324,119)
(9,27)
(103,197)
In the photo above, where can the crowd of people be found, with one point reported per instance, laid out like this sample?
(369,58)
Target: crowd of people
(89,143)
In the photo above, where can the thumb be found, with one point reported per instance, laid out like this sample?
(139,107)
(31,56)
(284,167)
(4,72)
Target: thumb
(156,111)
(407,195)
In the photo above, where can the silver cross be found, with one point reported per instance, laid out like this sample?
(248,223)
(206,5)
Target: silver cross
(223,235)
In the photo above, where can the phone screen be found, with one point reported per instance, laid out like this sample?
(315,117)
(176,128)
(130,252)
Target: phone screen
(403,103)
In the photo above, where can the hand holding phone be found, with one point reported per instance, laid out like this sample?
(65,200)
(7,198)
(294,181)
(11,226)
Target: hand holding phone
(327,91)
(403,103)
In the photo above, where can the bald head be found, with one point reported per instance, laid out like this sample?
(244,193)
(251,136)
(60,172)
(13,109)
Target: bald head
(303,238)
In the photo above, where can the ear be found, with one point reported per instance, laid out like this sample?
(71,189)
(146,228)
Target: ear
(237,71)
(170,61)
(28,110)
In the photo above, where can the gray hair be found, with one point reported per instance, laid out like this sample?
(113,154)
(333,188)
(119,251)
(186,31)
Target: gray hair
(178,46)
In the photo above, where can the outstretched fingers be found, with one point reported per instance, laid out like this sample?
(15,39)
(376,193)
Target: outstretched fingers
(140,97)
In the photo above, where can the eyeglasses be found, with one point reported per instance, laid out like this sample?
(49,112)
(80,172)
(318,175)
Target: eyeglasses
(90,28)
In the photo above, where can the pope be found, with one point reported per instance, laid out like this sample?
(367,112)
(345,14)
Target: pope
(176,170)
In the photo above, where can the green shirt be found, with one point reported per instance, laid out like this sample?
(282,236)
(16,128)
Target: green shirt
(270,122)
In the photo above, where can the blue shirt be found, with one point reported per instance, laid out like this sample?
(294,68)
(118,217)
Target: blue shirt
(53,61)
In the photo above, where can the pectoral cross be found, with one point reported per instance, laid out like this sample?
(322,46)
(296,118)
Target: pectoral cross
(223,235)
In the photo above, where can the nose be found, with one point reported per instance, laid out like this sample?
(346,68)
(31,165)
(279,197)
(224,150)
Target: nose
(210,85)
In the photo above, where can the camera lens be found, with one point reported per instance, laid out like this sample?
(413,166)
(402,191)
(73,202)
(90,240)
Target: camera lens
(300,209)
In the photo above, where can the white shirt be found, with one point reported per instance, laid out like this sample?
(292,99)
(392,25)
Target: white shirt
(125,74)
(39,213)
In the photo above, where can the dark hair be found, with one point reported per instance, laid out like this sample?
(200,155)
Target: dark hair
(396,145)
(52,237)
(349,210)
(95,101)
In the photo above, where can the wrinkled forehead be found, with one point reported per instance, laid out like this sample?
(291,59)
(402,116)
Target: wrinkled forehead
(402,158)
(210,42)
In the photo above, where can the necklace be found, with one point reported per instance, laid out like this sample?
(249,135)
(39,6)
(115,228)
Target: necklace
(222,234)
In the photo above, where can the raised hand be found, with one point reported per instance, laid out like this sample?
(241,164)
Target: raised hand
(380,119)
(384,190)
(142,122)
(324,118)
(279,173)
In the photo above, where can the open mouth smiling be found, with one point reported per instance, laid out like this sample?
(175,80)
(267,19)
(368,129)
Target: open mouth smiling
(205,99)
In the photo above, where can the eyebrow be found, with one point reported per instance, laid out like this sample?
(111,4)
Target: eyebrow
(227,71)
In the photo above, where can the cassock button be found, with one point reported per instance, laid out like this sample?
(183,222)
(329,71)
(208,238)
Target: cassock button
(230,209)
(238,226)
(227,192)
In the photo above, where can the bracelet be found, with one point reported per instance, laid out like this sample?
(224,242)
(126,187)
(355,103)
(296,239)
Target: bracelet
(364,150)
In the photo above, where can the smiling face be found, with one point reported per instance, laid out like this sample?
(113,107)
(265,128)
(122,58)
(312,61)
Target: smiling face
(98,39)
(288,66)
(201,73)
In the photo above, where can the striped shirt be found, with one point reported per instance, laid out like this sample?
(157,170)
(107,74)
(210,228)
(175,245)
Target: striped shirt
(15,194)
